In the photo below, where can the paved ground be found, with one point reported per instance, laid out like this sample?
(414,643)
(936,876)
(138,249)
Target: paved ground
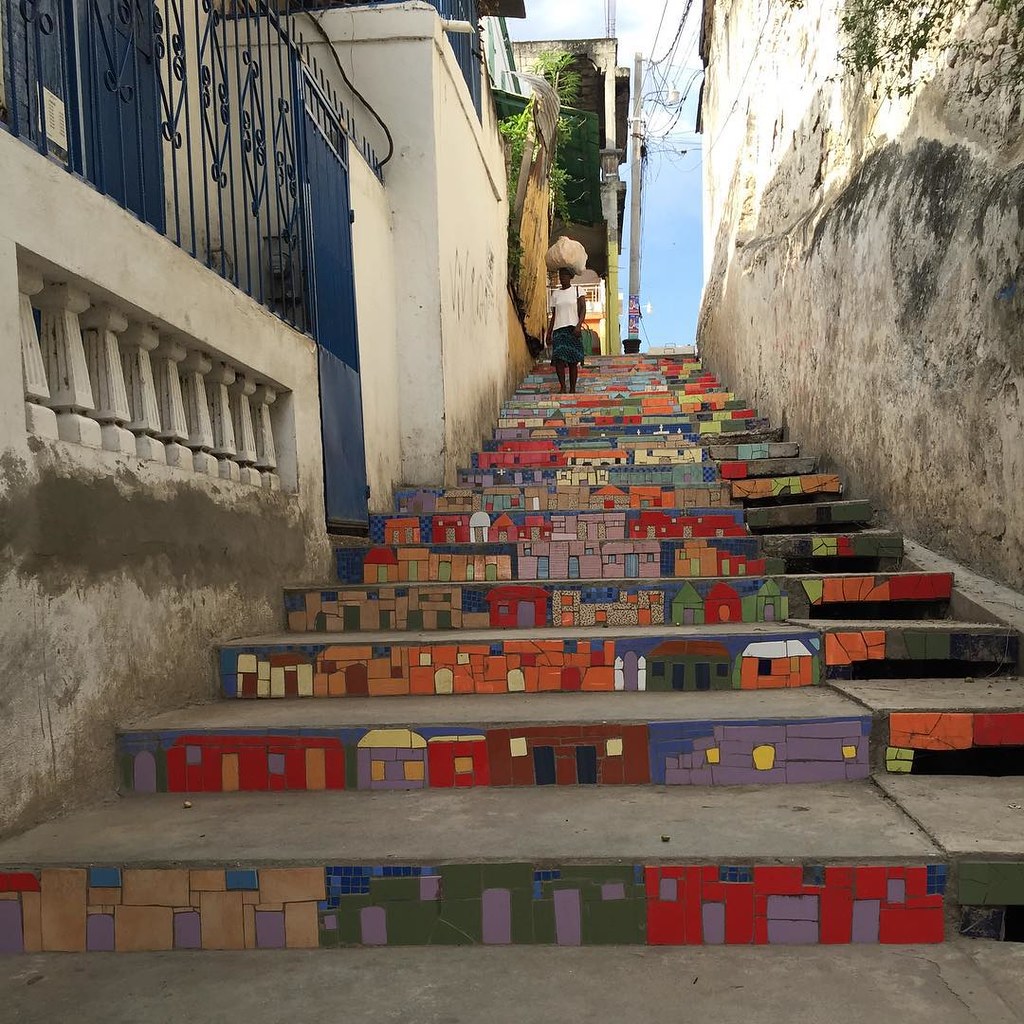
(461,709)
(958,983)
(845,820)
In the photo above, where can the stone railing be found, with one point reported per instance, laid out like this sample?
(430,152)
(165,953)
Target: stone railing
(99,376)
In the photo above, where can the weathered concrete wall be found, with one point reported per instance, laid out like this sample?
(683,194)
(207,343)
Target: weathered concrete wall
(119,577)
(864,269)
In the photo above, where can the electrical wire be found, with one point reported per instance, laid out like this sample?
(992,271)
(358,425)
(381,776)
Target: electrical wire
(355,92)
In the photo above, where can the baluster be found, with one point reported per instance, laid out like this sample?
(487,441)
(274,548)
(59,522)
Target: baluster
(102,324)
(66,369)
(39,418)
(245,436)
(197,412)
(266,452)
(136,344)
(220,415)
(173,425)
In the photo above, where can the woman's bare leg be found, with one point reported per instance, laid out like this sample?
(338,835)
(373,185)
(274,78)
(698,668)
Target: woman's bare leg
(574,371)
(560,370)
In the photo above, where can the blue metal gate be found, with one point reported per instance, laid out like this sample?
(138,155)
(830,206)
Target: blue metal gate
(119,77)
(332,300)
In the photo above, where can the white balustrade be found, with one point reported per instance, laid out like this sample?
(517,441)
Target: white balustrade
(39,418)
(66,370)
(266,452)
(197,412)
(138,341)
(245,436)
(101,325)
(173,425)
(221,378)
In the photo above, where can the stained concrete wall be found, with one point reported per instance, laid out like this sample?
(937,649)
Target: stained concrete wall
(864,268)
(117,577)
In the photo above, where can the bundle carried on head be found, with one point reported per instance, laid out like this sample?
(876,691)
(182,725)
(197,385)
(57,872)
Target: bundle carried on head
(567,252)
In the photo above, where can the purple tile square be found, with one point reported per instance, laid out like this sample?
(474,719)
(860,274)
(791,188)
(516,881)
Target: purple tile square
(896,891)
(373,924)
(99,933)
(793,908)
(677,777)
(275,764)
(270,929)
(713,921)
(668,890)
(193,755)
(613,891)
(394,771)
(11,936)
(865,920)
(330,922)
(792,933)
(187,933)
(430,887)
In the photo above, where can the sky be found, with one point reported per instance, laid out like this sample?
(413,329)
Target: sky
(671,272)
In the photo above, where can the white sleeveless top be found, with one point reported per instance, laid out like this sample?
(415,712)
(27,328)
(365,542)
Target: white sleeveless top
(564,302)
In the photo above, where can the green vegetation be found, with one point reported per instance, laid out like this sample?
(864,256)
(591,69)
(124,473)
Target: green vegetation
(891,38)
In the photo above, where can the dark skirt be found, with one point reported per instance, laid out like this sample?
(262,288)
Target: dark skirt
(566,347)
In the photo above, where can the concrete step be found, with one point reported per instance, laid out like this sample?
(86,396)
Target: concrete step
(554,559)
(577,659)
(589,524)
(922,649)
(747,468)
(812,515)
(420,743)
(971,726)
(786,488)
(441,606)
(633,865)
(420,501)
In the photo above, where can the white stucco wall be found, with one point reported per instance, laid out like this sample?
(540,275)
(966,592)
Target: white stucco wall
(864,267)
(118,577)
(446,188)
(373,246)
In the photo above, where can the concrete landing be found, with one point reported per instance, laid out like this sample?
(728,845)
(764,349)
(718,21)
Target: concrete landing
(999,693)
(964,815)
(827,823)
(958,983)
(507,709)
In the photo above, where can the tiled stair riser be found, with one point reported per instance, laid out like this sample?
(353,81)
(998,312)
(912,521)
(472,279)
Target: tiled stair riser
(555,559)
(726,752)
(322,906)
(659,663)
(922,741)
(547,497)
(986,890)
(599,524)
(576,603)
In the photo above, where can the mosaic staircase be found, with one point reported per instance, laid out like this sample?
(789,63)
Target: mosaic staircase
(639,618)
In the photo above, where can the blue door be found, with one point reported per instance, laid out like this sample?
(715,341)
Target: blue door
(119,77)
(333,308)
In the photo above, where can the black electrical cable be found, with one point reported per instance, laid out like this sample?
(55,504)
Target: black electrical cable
(355,92)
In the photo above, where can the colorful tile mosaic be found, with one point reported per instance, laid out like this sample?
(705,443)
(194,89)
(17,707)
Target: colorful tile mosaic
(732,661)
(471,904)
(728,752)
(512,526)
(848,653)
(541,498)
(511,606)
(762,488)
(956,742)
(550,559)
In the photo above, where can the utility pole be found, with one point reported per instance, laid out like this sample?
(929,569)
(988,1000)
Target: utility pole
(633,309)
